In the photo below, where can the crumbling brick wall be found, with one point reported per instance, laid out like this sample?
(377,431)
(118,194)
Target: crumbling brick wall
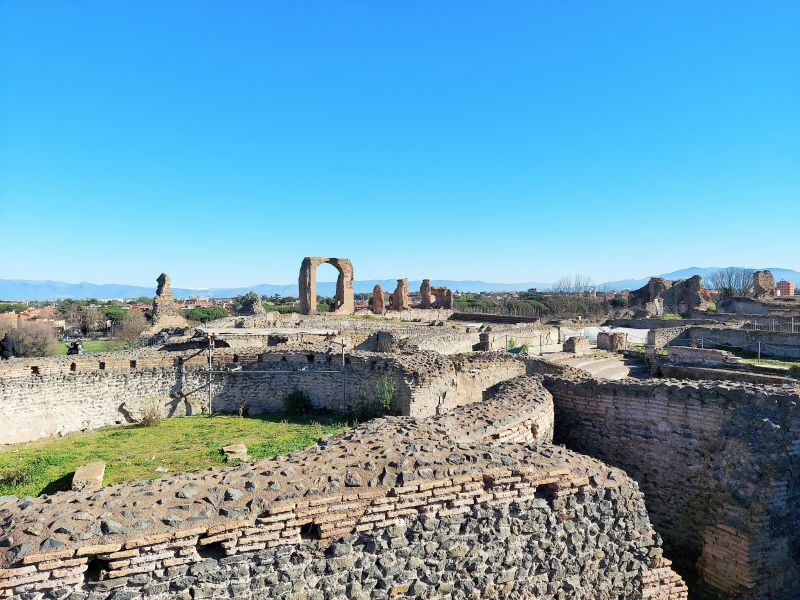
(447,506)
(717,462)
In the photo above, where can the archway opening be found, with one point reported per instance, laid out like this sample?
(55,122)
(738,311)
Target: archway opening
(325,289)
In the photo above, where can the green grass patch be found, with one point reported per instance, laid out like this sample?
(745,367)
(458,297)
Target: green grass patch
(752,358)
(96,346)
(134,452)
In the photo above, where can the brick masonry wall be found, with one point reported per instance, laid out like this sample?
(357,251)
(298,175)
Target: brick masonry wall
(443,507)
(75,395)
(717,462)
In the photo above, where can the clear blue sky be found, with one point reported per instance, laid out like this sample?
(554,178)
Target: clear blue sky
(223,141)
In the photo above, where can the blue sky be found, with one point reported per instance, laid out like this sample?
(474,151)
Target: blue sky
(518,141)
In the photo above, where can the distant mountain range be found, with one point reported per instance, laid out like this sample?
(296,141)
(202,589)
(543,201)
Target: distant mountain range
(21,289)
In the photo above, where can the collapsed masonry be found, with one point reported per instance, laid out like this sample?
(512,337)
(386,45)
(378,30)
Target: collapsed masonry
(435,296)
(166,313)
(378,305)
(474,501)
(763,285)
(661,295)
(399,299)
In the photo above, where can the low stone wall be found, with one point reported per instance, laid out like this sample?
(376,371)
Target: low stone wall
(443,507)
(662,336)
(676,371)
(701,356)
(63,395)
(717,462)
(776,344)
(701,318)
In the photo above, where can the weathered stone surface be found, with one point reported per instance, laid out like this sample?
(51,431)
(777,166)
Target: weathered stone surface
(425,294)
(235,452)
(577,345)
(763,285)
(712,462)
(660,295)
(166,313)
(442,297)
(345,297)
(473,503)
(439,297)
(399,299)
(89,477)
(378,307)
(612,341)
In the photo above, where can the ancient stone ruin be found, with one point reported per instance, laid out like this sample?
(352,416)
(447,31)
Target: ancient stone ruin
(435,296)
(577,344)
(425,294)
(497,474)
(664,295)
(399,299)
(474,500)
(763,285)
(378,307)
(345,298)
(166,313)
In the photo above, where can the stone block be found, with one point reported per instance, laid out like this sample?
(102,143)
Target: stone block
(89,477)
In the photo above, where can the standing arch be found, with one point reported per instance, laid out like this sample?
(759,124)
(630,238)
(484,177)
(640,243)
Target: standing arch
(345,298)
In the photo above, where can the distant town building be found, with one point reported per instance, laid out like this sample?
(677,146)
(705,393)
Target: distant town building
(785,288)
(195,302)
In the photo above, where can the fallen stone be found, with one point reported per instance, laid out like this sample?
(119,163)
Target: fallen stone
(89,477)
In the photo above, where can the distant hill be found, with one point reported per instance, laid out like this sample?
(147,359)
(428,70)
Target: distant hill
(21,289)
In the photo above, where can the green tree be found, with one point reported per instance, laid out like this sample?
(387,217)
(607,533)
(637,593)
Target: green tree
(204,314)
(114,313)
(12,307)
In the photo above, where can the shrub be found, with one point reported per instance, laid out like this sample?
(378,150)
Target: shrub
(297,403)
(151,417)
(385,392)
(381,404)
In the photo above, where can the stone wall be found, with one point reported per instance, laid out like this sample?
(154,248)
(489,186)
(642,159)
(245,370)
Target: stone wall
(658,338)
(777,344)
(717,462)
(63,395)
(444,507)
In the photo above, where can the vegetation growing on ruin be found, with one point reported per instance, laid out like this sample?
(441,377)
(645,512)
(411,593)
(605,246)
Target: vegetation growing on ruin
(297,403)
(135,452)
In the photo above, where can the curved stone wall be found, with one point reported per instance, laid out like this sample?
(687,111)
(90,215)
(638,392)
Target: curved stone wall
(442,507)
(717,462)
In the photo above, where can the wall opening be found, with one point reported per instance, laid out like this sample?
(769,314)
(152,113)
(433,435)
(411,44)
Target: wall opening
(94,570)
(310,531)
(546,493)
(214,551)
(133,364)
(73,367)
(34,370)
(327,302)
(102,366)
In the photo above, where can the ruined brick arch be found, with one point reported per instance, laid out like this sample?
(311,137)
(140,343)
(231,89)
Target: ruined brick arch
(345,298)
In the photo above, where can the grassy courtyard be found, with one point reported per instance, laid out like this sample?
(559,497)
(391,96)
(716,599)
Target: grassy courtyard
(95,346)
(135,452)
